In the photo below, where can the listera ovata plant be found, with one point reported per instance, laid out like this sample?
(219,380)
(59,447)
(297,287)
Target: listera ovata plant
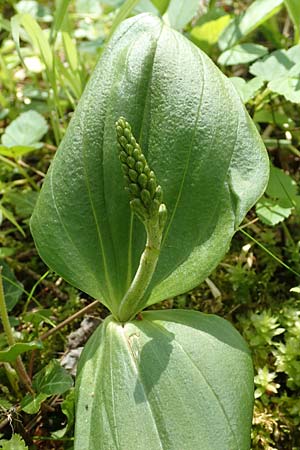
(175,379)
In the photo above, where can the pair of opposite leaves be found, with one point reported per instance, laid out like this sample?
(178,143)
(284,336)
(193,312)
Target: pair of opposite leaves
(197,137)
(166,381)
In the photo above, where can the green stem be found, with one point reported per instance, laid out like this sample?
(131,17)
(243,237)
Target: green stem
(4,316)
(146,202)
(23,172)
(23,376)
(288,235)
(12,378)
(132,303)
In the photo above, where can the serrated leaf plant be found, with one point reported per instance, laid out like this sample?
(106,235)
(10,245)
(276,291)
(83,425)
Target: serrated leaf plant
(160,120)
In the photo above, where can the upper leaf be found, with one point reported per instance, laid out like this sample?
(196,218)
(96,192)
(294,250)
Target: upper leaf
(198,139)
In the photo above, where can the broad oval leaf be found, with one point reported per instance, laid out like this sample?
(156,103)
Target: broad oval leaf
(197,137)
(174,380)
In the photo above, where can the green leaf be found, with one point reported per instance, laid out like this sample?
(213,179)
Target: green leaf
(161,5)
(247,89)
(59,16)
(35,9)
(205,152)
(293,7)
(38,39)
(5,404)
(289,85)
(31,404)
(124,12)
(15,350)
(39,316)
(277,64)
(295,289)
(52,380)
(180,12)
(271,212)
(281,68)
(26,130)
(9,216)
(15,443)
(23,202)
(17,150)
(256,14)
(146,6)
(12,287)
(278,118)
(242,54)
(6,251)
(68,408)
(4,24)
(281,186)
(282,198)
(206,32)
(163,382)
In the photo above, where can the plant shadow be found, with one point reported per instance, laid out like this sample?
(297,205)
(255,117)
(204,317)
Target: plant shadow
(153,360)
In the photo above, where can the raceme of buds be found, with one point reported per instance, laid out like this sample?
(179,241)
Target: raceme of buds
(146,195)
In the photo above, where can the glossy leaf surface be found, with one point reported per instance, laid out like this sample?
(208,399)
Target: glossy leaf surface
(174,380)
(197,137)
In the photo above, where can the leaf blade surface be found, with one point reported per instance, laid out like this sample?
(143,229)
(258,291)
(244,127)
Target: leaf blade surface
(165,381)
(198,139)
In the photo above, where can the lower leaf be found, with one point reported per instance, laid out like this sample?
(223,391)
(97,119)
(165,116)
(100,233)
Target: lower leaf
(173,380)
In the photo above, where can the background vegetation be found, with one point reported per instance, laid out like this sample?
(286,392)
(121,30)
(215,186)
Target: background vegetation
(47,52)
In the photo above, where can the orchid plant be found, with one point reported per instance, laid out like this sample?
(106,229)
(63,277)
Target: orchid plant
(159,119)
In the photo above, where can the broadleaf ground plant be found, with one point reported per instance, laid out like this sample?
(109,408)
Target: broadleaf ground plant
(159,113)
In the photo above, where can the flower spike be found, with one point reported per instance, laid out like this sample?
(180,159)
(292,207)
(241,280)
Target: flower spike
(141,183)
